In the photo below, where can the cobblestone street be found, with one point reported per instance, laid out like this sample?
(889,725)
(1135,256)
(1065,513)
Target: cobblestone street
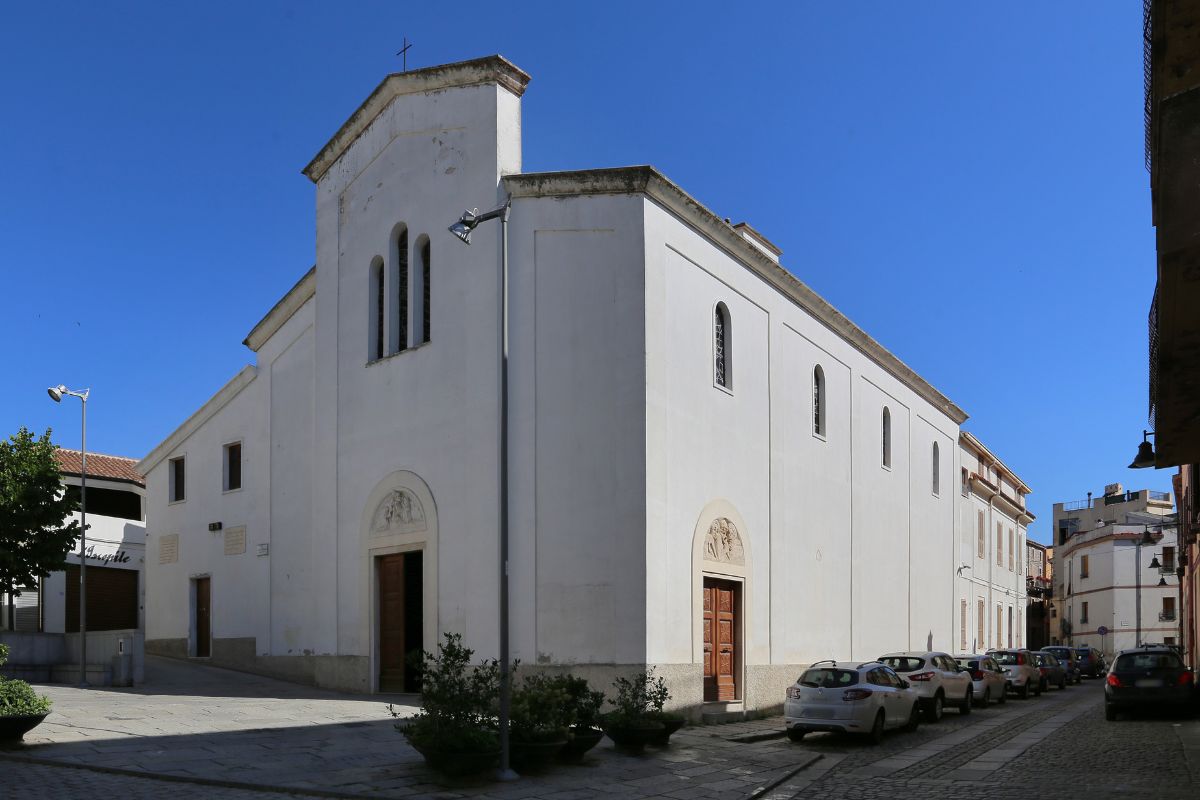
(230,736)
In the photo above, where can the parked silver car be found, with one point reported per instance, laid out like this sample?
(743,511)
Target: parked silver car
(988,680)
(1023,674)
(849,697)
(937,678)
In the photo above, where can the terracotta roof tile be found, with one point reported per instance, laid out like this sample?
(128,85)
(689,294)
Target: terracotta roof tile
(116,468)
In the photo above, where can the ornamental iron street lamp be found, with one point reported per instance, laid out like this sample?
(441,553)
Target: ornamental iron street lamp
(462,229)
(56,394)
(1145,453)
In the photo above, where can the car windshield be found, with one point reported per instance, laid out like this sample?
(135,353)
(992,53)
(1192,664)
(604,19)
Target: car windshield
(1005,657)
(1131,662)
(1083,653)
(828,678)
(903,663)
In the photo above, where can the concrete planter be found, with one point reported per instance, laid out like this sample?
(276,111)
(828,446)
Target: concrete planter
(12,729)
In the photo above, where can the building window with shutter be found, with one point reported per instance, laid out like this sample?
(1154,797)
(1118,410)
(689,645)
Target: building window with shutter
(1083,566)
(982,539)
(1012,547)
(981,616)
(999,545)
(1083,613)
(962,625)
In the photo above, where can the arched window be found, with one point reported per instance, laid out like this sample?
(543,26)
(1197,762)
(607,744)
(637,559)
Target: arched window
(937,470)
(426,311)
(375,302)
(401,273)
(722,347)
(887,437)
(818,382)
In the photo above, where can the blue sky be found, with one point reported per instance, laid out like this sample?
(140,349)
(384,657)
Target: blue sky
(965,181)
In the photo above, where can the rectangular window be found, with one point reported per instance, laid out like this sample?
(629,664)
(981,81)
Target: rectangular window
(1012,541)
(1020,627)
(982,617)
(1083,566)
(1168,559)
(175,478)
(1083,612)
(962,626)
(999,545)
(232,467)
(999,625)
(1168,609)
(982,540)
(1010,626)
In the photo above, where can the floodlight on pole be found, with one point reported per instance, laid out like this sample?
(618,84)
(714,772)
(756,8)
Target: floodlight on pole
(462,229)
(56,394)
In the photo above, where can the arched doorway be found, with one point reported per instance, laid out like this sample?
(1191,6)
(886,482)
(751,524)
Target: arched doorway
(399,542)
(720,592)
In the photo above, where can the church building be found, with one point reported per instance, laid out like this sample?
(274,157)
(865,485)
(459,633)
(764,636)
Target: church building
(711,470)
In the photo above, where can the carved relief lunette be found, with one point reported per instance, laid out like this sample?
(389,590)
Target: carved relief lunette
(398,512)
(723,543)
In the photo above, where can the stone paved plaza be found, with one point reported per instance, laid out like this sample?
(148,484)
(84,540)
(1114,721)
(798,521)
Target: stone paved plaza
(196,731)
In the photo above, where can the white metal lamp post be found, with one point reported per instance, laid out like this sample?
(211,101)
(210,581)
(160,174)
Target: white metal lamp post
(462,229)
(56,394)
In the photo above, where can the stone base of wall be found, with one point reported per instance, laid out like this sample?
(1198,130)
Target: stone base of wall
(340,673)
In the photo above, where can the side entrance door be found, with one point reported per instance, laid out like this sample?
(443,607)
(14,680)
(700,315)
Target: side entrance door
(203,618)
(400,621)
(720,632)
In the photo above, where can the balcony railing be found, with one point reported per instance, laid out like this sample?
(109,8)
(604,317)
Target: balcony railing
(1159,495)
(1077,505)
(1166,616)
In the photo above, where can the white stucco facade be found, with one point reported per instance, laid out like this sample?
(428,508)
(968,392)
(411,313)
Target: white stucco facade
(637,482)
(991,559)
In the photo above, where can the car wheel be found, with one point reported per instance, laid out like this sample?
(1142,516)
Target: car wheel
(1023,692)
(1004,697)
(1062,684)
(936,707)
(795,734)
(964,708)
(1041,687)
(877,729)
(987,698)
(914,718)
(1110,713)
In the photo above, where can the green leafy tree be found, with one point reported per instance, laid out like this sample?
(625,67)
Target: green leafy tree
(35,535)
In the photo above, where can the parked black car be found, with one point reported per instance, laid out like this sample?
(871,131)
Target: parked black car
(1148,677)
(1091,662)
(1069,660)
(1052,672)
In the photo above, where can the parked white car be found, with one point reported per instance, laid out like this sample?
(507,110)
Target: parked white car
(1021,671)
(989,681)
(937,678)
(849,697)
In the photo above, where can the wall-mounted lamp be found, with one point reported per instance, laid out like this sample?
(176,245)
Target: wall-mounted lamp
(1145,453)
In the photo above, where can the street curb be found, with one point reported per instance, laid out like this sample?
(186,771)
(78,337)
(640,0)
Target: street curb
(751,738)
(153,776)
(770,787)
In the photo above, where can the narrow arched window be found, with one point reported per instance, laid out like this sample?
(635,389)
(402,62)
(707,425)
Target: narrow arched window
(722,341)
(375,302)
(818,381)
(887,437)
(426,308)
(937,470)
(401,273)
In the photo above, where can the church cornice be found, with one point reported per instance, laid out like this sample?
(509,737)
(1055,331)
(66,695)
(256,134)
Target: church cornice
(282,311)
(652,183)
(489,69)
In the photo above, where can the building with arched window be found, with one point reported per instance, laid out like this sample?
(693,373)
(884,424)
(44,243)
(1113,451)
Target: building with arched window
(682,497)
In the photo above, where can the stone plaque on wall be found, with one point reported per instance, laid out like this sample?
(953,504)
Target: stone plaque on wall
(168,549)
(235,541)
(723,543)
(399,512)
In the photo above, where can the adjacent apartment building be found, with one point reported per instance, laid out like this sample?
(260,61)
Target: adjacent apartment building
(1039,588)
(711,470)
(990,550)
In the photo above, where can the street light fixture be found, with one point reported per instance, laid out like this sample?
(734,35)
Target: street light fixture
(1145,453)
(462,229)
(56,394)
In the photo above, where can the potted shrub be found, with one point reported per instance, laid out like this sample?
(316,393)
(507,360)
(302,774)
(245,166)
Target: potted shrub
(584,704)
(456,728)
(658,695)
(541,715)
(21,708)
(633,723)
